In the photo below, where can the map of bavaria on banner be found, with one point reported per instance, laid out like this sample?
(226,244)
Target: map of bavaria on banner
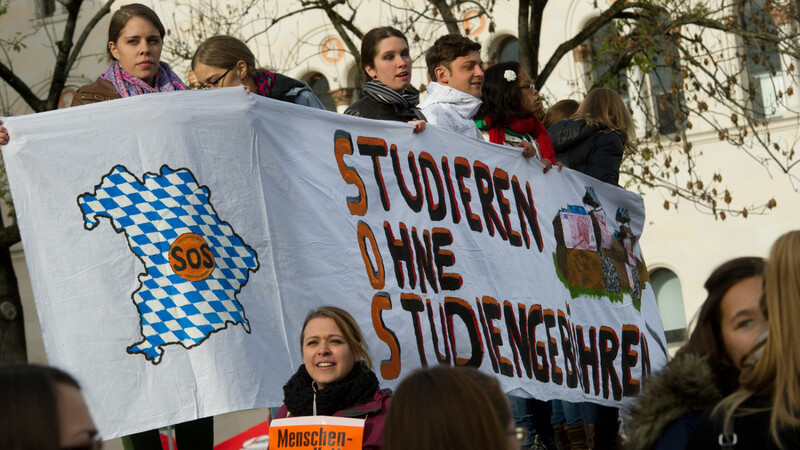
(175,243)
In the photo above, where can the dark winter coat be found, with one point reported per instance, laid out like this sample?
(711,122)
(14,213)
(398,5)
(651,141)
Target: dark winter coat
(672,402)
(593,151)
(374,412)
(752,430)
(356,396)
(370,108)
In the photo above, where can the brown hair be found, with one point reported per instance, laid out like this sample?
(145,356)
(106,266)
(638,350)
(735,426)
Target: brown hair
(491,387)
(438,408)
(775,372)
(28,410)
(369,45)
(224,52)
(126,13)
(349,328)
(446,49)
(561,110)
(706,338)
(603,108)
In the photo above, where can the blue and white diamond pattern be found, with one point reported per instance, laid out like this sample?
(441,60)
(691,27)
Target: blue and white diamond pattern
(152,215)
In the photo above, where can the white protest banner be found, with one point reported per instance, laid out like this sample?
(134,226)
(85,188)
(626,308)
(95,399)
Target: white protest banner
(316,433)
(176,242)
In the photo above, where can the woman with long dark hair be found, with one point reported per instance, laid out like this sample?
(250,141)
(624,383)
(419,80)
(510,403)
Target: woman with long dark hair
(507,115)
(707,367)
(764,412)
(41,408)
(387,64)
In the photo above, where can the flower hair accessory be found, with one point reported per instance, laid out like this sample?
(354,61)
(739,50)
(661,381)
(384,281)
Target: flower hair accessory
(510,75)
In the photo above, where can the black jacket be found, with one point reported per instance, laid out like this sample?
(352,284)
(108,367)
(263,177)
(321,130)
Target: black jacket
(671,403)
(587,150)
(370,108)
(752,430)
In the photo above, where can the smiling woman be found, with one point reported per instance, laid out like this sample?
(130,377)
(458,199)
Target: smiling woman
(135,40)
(336,378)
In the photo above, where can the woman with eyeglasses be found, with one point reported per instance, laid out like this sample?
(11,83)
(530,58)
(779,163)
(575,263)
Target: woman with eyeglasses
(224,61)
(135,40)
(507,115)
(42,408)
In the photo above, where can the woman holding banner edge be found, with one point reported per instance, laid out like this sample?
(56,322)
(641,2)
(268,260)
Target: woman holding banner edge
(336,378)
(135,40)
(387,64)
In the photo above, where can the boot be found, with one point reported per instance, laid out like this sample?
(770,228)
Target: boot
(589,435)
(545,443)
(577,437)
(560,433)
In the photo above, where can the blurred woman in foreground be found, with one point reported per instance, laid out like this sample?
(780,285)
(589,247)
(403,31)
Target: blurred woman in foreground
(41,408)
(764,412)
(707,367)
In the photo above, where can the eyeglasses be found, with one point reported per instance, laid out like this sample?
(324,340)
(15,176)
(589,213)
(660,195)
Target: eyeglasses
(214,83)
(531,85)
(96,444)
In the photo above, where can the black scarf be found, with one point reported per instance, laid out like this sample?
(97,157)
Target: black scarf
(357,388)
(404,103)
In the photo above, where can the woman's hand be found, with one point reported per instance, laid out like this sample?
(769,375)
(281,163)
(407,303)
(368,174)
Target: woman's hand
(528,149)
(419,125)
(3,135)
(549,165)
(246,88)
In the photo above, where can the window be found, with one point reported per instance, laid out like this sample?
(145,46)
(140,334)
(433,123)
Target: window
(763,62)
(667,288)
(665,87)
(606,51)
(319,84)
(508,50)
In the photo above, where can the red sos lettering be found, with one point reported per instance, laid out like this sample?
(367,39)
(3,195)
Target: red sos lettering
(190,257)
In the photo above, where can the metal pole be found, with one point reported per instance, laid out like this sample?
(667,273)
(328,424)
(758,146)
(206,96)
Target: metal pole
(170,430)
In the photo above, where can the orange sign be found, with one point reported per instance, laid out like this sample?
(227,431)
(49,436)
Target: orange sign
(316,433)
(190,257)
(474,22)
(333,50)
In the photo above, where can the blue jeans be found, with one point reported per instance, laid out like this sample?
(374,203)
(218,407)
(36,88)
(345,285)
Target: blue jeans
(531,414)
(570,413)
